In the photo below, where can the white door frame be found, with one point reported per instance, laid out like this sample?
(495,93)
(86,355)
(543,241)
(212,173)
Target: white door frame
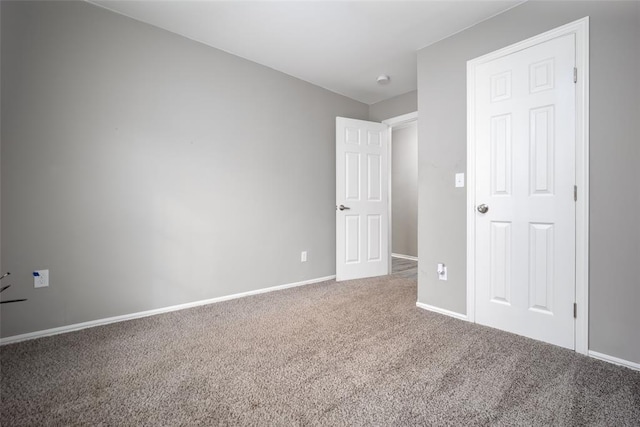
(581,30)
(395,122)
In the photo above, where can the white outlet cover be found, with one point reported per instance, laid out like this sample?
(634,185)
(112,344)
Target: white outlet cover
(42,279)
(460,180)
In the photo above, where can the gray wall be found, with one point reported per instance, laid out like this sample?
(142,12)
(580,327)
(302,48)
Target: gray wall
(614,148)
(404,190)
(147,170)
(394,107)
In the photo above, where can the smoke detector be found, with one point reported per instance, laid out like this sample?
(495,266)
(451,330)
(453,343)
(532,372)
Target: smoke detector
(383,79)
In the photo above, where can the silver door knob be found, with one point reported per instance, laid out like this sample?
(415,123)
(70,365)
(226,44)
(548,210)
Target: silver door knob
(343,208)
(483,208)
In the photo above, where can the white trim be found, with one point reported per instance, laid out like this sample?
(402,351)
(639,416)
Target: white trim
(409,257)
(581,30)
(401,120)
(615,360)
(471,190)
(106,321)
(441,311)
(582,181)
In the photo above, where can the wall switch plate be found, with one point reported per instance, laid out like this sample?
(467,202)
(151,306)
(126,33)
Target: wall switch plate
(442,271)
(41,278)
(303,256)
(460,180)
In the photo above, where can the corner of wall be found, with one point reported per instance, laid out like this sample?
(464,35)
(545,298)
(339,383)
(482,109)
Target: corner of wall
(394,107)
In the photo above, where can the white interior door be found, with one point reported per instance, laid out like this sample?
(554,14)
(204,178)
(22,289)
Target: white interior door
(525,259)
(362,194)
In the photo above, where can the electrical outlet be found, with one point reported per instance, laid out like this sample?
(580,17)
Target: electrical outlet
(41,278)
(303,256)
(442,271)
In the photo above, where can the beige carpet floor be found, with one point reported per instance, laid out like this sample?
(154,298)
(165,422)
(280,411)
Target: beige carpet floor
(356,353)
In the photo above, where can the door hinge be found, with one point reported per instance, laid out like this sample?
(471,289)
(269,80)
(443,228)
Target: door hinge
(575,193)
(575,74)
(575,310)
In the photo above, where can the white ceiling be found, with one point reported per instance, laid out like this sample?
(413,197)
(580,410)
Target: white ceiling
(339,45)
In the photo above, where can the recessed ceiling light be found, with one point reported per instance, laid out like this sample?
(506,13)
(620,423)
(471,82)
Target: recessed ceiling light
(383,79)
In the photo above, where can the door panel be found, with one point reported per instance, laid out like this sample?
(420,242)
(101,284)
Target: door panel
(501,155)
(374,237)
(542,155)
(525,172)
(352,237)
(500,262)
(352,176)
(362,187)
(374,178)
(541,267)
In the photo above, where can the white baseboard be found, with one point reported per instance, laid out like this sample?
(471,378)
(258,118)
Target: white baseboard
(615,360)
(106,321)
(441,311)
(600,356)
(412,258)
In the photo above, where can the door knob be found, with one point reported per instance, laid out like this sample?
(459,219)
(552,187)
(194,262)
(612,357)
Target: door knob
(483,208)
(343,208)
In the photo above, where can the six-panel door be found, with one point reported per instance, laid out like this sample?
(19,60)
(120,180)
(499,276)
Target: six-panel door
(525,173)
(362,187)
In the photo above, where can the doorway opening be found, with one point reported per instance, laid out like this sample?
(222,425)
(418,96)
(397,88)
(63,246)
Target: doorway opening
(403,195)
